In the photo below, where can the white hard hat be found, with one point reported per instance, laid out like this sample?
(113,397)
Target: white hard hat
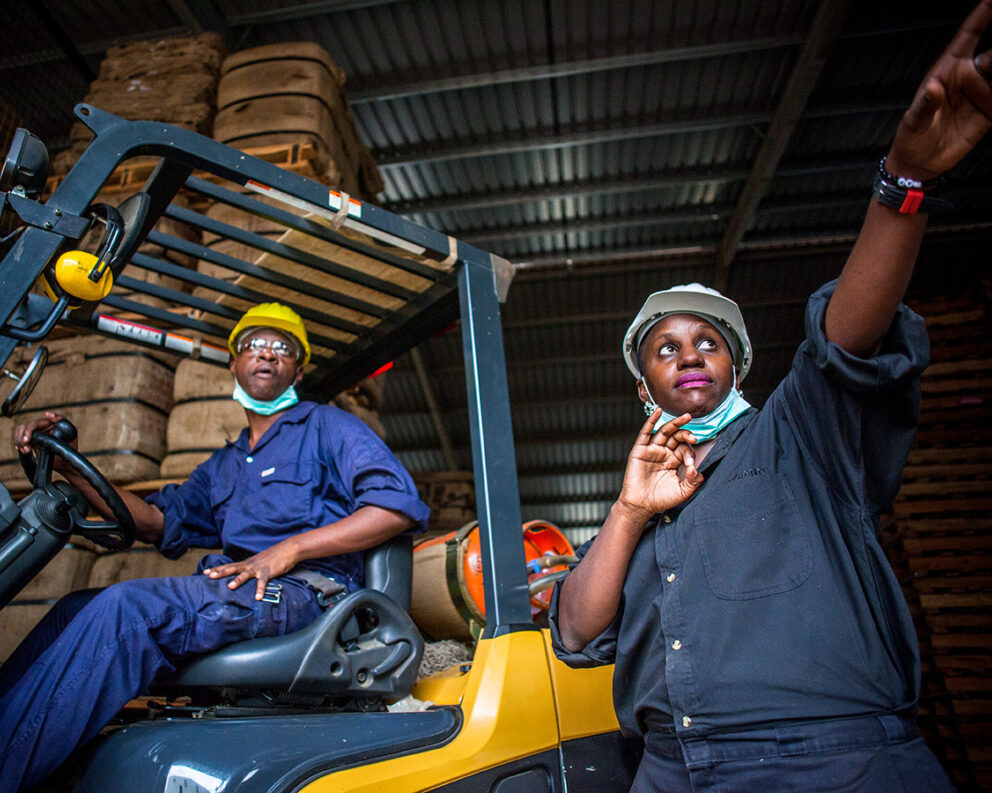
(698,300)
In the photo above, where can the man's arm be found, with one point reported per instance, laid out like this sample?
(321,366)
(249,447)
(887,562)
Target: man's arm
(950,113)
(365,528)
(148,519)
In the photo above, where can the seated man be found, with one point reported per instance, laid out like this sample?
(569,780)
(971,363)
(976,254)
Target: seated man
(304,489)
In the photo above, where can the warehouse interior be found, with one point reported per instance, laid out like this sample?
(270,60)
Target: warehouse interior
(609,149)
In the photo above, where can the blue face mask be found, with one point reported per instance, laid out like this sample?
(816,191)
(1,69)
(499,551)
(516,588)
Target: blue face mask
(705,427)
(286,399)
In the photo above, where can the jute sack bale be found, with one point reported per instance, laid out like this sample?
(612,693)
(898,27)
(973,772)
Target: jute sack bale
(246,221)
(203,419)
(364,400)
(141,561)
(272,71)
(451,497)
(349,259)
(67,572)
(172,80)
(116,394)
(126,442)
(16,622)
(307,50)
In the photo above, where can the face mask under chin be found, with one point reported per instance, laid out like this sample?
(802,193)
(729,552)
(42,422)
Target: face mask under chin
(704,427)
(286,399)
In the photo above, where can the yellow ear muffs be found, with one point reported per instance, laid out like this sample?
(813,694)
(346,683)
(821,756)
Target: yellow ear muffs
(72,273)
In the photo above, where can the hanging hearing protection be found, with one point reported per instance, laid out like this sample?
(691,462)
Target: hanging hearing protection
(83,275)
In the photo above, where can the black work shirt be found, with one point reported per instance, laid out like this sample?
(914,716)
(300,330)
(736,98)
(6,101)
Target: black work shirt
(766,597)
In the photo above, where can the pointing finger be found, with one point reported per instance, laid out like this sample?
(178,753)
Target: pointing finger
(971,30)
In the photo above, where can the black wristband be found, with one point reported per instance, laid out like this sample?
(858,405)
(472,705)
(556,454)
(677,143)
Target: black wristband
(908,200)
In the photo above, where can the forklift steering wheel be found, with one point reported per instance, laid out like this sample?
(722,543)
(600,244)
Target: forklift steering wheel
(117,535)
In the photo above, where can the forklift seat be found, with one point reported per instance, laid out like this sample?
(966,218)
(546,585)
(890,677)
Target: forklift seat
(364,645)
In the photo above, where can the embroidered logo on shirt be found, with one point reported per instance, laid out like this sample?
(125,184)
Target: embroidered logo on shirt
(747,473)
(268,471)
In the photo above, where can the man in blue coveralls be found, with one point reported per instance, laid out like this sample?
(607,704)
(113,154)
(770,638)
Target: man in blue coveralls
(299,495)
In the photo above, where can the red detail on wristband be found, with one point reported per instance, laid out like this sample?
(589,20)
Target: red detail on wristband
(382,369)
(911,203)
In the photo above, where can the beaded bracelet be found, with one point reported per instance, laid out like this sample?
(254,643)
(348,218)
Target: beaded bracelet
(908,181)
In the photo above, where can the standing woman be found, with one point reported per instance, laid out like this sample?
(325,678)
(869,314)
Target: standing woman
(760,638)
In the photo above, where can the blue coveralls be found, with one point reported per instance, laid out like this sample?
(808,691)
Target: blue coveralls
(96,650)
(762,641)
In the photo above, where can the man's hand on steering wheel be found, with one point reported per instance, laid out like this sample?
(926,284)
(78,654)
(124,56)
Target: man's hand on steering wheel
(23,433)
(53,437)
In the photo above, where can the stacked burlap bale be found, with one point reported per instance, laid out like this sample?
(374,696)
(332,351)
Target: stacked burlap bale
(141,561)
(291,93)
(68,571)
(365,401)
(451,497)
(118,396)
(172,80)
(204,416)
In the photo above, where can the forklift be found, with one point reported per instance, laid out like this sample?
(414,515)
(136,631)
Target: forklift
(307,711)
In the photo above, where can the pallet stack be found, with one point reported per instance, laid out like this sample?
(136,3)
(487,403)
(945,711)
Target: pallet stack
(290,93)
(942,538)
(172,80)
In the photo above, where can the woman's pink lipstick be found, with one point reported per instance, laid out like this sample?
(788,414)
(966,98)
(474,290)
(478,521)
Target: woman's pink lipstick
(695,380)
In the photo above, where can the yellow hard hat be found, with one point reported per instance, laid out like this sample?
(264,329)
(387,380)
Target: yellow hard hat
(272,315)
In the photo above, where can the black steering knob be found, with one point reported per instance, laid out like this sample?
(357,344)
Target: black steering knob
(64,430)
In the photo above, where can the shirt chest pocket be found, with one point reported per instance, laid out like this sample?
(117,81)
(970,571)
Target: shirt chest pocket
(283,493)
(752,540)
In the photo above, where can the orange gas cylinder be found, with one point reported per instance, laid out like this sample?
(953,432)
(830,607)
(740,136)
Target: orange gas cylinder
(448,600)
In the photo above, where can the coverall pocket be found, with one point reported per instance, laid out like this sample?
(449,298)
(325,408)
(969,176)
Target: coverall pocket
(285,493)
(759,544)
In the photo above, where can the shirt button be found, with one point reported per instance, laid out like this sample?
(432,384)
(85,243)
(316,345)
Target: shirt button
(676,645)
(666,519)
(686,721)
(670,577)
(249,459)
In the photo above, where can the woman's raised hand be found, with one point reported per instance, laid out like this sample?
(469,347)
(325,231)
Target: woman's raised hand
(661,469)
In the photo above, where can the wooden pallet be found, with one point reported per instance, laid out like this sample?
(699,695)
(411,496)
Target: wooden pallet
(941,546)
(130,177)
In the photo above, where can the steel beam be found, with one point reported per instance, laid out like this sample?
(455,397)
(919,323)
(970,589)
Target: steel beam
(435,412)
(625,129)
(549,71)
(295,11)
(823,33)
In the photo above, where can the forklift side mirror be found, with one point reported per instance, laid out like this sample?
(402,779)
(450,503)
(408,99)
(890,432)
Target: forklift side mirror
(26,164)
(25,383)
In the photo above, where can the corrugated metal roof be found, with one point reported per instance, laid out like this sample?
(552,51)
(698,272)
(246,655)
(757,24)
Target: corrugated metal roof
(604,147)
